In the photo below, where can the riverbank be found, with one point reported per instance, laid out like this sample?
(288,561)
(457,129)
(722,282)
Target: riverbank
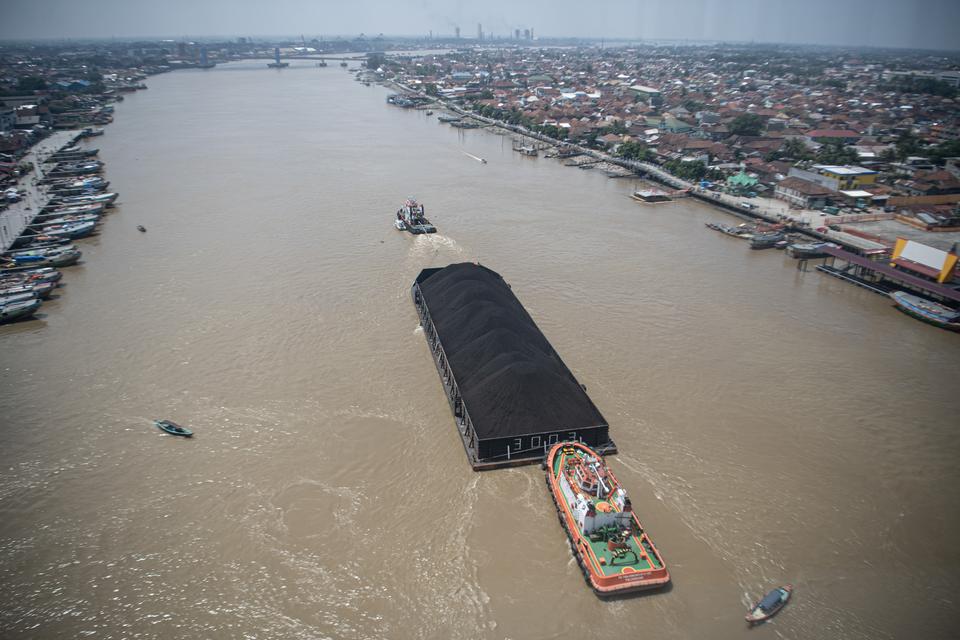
(812,223)
(62,199)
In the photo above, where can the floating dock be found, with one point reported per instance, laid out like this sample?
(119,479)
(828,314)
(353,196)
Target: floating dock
(511,395)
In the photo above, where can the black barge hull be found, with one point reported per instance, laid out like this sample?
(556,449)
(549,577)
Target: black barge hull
(511,395)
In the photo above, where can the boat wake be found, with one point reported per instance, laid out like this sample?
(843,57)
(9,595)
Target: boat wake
(435,243)
(477,158)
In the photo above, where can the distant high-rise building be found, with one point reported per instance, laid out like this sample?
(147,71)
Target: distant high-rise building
(526,34)
(479,31)
(531,34)
(456,32)
(516,34)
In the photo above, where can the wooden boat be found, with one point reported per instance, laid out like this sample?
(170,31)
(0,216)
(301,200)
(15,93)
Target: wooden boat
(766,240)
(73,230)
(62,256)
(614,552)
(650,195)
(39,288)
(927,311)
(30,276)
(11,296)
(742,231)
(769,605)
(16,310)
(173,428)
(802,250)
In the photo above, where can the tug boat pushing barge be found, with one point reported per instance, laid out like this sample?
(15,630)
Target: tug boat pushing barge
(411,218)
(614,552)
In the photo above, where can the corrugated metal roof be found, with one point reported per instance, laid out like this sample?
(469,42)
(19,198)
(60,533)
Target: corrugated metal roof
(896,275)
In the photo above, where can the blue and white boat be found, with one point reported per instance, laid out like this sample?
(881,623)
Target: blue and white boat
(770,604)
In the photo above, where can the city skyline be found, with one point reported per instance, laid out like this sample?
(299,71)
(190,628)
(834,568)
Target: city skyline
(926,24)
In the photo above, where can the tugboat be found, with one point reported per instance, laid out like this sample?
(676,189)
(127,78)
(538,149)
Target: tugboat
(614,552)
(411,218)
(927,311)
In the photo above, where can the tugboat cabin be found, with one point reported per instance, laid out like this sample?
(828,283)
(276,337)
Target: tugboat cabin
(511,395)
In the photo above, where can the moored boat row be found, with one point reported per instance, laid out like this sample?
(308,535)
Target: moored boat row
(77,202)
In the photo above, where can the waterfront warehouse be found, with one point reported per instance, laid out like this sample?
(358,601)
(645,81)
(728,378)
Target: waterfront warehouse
(511,394)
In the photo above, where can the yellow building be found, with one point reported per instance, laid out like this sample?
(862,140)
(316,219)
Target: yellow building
(929,262)
(848,178)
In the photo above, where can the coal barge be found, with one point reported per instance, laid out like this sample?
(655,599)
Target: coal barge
(511,395)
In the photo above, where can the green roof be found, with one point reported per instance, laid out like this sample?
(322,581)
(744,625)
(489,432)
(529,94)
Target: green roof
(741,180)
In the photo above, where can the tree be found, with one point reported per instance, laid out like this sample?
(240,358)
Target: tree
(634,151)
(836,153)
(949,149)
(692,171)
(29,84)
(907,145)
(376,60)
(794,149)
(889,154)
(617,127)
(747,124)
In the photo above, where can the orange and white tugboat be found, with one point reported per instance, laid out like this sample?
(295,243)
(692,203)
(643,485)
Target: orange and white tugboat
(614,552)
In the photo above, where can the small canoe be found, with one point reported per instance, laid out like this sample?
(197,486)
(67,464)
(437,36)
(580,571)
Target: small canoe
(141,228)
(173,428)
(770,604)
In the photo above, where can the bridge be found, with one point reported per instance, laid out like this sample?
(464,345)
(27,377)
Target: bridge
(306,57)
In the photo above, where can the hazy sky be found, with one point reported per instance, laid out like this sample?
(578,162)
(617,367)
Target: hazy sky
(896,23)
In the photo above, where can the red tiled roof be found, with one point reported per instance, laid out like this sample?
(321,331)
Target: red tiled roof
(922,269)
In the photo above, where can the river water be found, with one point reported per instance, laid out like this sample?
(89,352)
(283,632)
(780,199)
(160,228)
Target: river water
(774,426)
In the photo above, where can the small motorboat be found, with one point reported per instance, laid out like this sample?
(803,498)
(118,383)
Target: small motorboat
(770,604)
(141,228)
(173,428)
